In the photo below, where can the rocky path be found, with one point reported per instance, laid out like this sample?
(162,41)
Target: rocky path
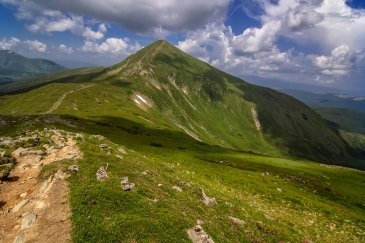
(34,210)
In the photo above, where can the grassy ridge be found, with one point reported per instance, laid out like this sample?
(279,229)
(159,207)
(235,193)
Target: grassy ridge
(315,202)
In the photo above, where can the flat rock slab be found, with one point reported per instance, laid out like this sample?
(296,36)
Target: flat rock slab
(28,221)
(19,206)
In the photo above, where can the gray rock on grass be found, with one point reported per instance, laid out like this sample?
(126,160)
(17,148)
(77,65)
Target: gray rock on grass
(101,174)
(126,185)
(198,235)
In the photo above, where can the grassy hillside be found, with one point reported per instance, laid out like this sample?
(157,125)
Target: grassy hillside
(176,126)
(16,67)
(278,199)
(164,86)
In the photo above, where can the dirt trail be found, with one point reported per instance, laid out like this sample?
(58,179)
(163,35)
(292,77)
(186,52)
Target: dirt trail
(38,211)
(60,100)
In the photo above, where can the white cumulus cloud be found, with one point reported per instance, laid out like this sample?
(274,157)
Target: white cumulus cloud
(111,46)
(64,49)
(141,16)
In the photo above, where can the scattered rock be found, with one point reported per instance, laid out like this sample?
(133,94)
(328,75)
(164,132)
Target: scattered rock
(19,151)
(279,189)
(121,150)
(46,185)
(198,235)
(73,168)
(207,200)
(35,152)
(103,146)
(19,239)
(101,174)
(199,222)
(176,188)
(160,185)
(237,221)
(19,206)
(144,172)
(60,175)
(119,156)
(23,195)
(98,137)
(80,136)
(72,155)
(126,185)
(28,221)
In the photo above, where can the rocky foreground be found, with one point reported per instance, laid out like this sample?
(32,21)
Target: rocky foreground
(32,209)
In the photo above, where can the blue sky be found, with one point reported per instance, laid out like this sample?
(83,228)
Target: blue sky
(313,42)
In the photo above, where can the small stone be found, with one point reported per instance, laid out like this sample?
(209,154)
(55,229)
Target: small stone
(19,239)
(198,235)
(144,172)
(98,137)
(176,188)
(207,200)
(121,150)
(279,189)
(39,204)
(19,206)
(73,168)
(28,221)
(199,222)
(103,146)
(60,175)
(126,185)
(23,195)
(160,185)
(101,174)
(237,221)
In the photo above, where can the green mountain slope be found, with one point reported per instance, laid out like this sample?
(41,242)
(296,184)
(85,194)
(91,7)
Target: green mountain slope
(16,67)
(176,126)
(164,86)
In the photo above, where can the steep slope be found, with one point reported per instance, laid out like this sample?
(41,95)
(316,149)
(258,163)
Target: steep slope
(216,107)
(15,67)
(163,87)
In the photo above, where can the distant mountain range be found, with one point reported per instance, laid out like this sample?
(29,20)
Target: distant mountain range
(326,99)
(16,67)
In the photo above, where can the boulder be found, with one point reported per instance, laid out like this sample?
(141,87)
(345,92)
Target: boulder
(126,185)
(198,235)
(101,174)
(73,168)
(28,221)
(207,200)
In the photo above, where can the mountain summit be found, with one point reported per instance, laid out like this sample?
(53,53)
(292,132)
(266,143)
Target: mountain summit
(176,91)
(215,107)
